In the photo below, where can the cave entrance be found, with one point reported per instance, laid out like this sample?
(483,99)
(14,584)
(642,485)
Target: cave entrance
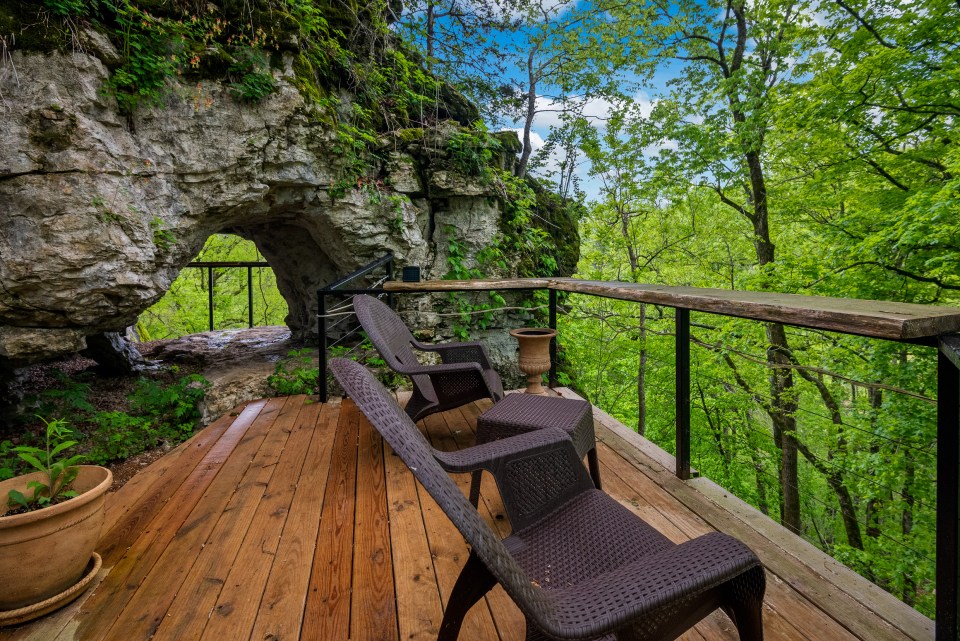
(229,285)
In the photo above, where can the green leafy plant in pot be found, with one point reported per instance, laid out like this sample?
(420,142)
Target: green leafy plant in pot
(49,528)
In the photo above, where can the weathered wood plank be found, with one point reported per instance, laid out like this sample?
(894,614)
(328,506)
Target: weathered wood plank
(129,510)
(467,285)
(218,521)
(240,441)
(419,609)
(373,610)
(284,597)
(327,611)
(877,319)
(449,549)
(839,605)
(236,606)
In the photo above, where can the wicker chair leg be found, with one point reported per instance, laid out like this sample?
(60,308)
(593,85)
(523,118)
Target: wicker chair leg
(474,581)
(594,467)
(475,488)
(748,617)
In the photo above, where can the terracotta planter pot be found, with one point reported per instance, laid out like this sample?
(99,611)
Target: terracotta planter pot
(44,552)
(534,355)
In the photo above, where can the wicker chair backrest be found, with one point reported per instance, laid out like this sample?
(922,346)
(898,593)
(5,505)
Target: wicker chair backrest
(406,440)
(389,334)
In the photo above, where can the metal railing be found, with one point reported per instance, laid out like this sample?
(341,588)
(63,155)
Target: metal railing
(338,290)
(948,402)
(211,265)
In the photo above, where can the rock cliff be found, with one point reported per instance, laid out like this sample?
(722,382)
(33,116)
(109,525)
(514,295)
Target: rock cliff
(100,210)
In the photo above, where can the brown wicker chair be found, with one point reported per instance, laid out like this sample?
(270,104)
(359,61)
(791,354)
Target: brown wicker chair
(578,564)
(464,375)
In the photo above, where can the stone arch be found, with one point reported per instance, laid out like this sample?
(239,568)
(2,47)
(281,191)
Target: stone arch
(96,231)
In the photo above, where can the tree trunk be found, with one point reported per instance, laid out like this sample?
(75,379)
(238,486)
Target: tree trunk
(531,114)
(431,8)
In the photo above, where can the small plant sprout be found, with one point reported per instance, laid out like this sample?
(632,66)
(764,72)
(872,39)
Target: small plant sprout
(59,472)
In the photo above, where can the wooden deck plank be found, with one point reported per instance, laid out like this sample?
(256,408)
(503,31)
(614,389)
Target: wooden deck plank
(112,595)
(129,510)
(842,608)
(224,511)
(284,597)
(327,611)
(245,513)
(449,549)
(236,606)
(184,613)
(374,610)
(419,608)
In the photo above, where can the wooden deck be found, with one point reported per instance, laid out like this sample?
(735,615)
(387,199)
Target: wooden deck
(291,520)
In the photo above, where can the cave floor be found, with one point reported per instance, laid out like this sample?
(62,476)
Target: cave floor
(290,519)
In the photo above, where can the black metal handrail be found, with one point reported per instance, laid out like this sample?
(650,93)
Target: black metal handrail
(337,289)
(211,265)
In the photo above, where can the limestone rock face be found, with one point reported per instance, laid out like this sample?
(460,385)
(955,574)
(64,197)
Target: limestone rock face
(99,213)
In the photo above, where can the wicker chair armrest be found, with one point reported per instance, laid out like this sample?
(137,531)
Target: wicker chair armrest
(472,352)
(442,368)
(536,472)
(490,456)
(612,600)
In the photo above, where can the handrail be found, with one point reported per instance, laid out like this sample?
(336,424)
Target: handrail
(211,265)
(935,326)
(386,259)
(336,288)
(874,319)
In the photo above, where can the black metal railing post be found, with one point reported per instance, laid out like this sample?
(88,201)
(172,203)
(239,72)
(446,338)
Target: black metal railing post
(683,393)
(322,344)
(948,488)
(249,297)
(553,341)
(210,295)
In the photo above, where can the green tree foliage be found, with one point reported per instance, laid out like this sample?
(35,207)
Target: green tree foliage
(805,149)
(184,308)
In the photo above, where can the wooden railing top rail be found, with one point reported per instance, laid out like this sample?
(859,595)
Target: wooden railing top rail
(876,319)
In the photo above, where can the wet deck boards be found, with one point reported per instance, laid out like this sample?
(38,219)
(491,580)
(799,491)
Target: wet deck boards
(290,519)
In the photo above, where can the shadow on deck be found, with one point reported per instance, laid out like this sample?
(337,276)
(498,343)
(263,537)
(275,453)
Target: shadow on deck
(291,520)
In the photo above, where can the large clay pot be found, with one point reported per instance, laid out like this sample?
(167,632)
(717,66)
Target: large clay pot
(45,552)
(534,355)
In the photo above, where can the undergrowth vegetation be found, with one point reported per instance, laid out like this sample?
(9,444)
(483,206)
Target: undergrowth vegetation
(156,413)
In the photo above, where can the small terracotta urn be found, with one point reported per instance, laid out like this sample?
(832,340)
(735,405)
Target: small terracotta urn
(534,355)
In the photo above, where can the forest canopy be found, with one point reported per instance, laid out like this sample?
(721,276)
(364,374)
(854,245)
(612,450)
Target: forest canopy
(800,147)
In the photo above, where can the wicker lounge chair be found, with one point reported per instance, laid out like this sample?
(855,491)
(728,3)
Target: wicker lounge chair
(579,565)
(463,376)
